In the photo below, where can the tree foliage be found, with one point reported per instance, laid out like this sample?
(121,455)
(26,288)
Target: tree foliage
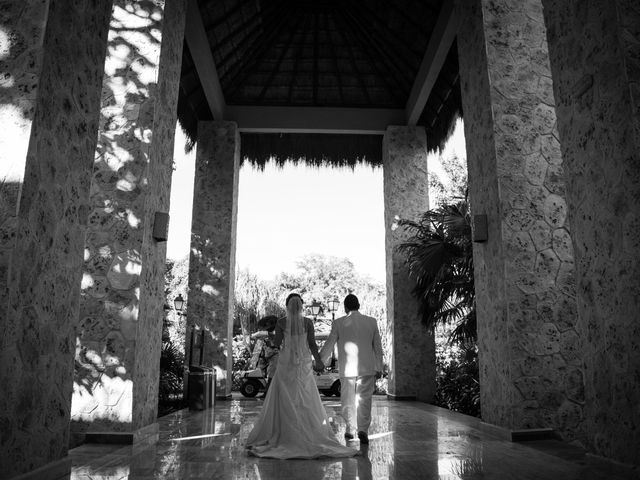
(447,179)
(317,277)
(440,259)
(439,255)
(457,385)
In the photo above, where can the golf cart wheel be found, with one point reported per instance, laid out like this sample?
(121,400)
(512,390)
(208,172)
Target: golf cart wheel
(335,388)
(250,388)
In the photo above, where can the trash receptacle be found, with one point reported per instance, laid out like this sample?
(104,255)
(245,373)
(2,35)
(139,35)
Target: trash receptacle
(200,387)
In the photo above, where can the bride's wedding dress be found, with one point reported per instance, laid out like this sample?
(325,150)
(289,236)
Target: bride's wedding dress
(293,422)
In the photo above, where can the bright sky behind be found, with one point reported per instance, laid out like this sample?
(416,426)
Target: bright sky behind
(285,213)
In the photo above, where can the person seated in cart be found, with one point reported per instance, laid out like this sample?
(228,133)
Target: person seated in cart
(270,352)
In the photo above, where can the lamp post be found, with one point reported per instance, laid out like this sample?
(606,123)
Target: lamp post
(178,304)
(315,309)
(333,306)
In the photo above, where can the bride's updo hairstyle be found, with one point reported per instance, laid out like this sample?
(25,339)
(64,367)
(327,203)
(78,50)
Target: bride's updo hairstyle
(290,296)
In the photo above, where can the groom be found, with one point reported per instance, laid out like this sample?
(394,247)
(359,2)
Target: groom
(360,362)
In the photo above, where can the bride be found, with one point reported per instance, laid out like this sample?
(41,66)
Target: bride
(293,422)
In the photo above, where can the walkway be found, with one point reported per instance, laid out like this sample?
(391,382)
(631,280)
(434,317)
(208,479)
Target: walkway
(409,440)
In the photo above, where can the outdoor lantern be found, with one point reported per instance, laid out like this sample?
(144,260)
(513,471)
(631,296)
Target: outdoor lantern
(333,306)
(178,302)
(315,308)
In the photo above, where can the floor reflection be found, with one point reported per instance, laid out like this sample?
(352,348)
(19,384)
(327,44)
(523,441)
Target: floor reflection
(408,440)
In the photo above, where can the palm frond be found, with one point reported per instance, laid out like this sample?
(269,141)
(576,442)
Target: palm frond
(439,258)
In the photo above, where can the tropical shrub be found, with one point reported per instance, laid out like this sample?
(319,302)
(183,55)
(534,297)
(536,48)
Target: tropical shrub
(457,385)
(241,358)
(170,391)
(439,257)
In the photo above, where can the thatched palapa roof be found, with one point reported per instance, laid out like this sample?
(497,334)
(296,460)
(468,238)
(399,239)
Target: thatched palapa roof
(311,148)
(354,54)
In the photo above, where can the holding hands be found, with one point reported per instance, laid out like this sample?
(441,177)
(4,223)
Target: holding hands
(318,365)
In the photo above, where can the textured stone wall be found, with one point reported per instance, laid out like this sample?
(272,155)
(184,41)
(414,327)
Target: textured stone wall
(531,372)
(23,24)
(595,54)
(213,245)
(405,179)
(120,325)
(41,295)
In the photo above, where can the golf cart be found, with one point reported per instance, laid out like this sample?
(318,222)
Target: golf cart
(328,380)
(254,380)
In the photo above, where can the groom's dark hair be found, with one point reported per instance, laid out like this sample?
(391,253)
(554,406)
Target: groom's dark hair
(351,302)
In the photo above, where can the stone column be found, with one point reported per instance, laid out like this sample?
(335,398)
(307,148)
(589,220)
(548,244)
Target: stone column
(412,356)
(213,246)
(531,374)
(21,52)
(42,252)
(120,326)
(594,50)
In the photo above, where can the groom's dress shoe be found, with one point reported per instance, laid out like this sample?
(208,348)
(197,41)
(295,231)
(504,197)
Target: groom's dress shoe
(348,436)
(364,438)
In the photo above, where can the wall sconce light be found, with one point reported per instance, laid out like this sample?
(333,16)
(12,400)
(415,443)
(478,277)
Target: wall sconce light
(479,229)
(161,226)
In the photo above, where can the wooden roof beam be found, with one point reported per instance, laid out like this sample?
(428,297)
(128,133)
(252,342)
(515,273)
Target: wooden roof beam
(439,45)
(334,57)
(314,119)
(196,37)
(276,68)
(390,88)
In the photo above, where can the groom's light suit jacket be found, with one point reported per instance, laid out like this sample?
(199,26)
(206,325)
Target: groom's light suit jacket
(359,345)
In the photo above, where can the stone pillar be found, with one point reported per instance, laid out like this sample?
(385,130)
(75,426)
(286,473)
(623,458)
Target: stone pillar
(121,310)
(594,50)
(42,254)
(531,374)
(213,246)
(23,24)
(412,356)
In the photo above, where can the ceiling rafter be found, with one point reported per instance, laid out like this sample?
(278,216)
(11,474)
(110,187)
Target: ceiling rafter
(244,25)
(252,36)
(225,17)
(316,49)
(391,61)
(256,55)
(296,62)
(253,22)
(375,40)
(432,64)
(196,38)
(392,91)
(335,58)
(419,28)
(393,34)
(388,60)
(273,73)
(353,61)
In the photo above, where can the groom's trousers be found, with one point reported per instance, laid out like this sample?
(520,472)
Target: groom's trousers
(355,396)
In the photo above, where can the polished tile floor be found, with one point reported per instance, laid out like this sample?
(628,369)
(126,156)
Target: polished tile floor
(408,440)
